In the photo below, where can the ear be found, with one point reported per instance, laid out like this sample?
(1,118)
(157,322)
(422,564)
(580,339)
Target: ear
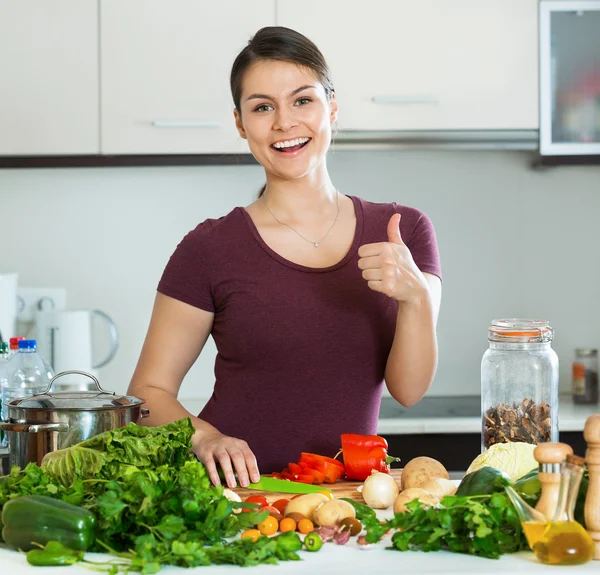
(238,123)
(333,107)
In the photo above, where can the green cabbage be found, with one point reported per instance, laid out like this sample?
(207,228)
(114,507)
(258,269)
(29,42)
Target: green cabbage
(514,459)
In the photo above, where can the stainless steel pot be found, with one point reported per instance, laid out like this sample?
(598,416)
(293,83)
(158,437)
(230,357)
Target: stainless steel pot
(46,422)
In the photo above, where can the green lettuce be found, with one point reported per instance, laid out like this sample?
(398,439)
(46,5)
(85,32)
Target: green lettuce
(120,451)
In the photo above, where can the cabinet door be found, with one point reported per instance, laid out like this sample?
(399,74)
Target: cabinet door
(165,73)
(49,79)
(426,64)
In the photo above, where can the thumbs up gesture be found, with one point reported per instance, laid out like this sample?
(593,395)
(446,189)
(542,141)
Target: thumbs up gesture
(388,267)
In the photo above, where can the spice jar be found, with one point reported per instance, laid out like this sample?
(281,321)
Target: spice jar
(519,383)
(585,376)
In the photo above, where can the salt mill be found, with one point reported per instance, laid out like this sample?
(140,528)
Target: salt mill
(591,434)
(550,456)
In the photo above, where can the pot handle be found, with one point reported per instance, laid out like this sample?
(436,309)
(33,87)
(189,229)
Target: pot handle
(76,373)
(144,412)
(33,427)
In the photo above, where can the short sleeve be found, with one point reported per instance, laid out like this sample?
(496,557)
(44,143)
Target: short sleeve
(422,244)
(187,274)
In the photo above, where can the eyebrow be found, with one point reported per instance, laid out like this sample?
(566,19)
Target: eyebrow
(265,97)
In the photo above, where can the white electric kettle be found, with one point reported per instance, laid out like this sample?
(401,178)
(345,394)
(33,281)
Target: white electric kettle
(66,340)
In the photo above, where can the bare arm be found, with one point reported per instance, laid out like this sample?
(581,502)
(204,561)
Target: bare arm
(412,361)
(176,336)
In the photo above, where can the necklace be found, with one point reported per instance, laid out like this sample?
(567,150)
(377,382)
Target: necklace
(316,244)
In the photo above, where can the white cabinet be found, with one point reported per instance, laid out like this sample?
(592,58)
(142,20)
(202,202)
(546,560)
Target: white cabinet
(426,64)
(165,73)
(49,77)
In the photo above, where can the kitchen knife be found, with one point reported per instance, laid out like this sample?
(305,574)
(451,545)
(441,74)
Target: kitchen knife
(284,486)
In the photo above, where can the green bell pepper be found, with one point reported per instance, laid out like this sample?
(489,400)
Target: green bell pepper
(53,554)
(40,519)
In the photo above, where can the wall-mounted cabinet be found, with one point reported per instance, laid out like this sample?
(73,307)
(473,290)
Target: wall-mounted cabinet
(165,73)
(49,80)
(426,64)
(109,78)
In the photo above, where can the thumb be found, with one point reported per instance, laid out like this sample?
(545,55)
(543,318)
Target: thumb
(393,230)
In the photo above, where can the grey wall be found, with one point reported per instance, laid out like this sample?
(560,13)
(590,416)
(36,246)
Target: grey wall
(513,241)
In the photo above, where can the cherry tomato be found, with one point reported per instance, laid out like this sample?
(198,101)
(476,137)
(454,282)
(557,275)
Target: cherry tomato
(280,505)
(268,526)
(273,512)
(260,499)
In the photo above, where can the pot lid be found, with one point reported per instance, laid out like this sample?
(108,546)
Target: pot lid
(75,401)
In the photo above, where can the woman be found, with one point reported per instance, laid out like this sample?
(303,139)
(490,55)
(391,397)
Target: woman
(313,297)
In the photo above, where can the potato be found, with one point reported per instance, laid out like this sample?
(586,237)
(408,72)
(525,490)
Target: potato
(411,494)
(333,511)
(440,487)
(419,470)
(305,504)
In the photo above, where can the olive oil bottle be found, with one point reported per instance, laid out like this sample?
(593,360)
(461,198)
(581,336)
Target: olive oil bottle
(564,541)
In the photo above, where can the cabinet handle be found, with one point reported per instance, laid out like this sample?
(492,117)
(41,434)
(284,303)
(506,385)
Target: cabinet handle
(184,124)
(405,100)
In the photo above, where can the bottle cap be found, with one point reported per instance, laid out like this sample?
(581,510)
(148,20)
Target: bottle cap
(28,344)
(14,342)
(3,347)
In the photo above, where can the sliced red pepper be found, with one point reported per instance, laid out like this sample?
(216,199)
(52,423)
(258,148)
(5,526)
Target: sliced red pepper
(317,476)
(294,468)
(287,475)
(308,457)
(277,475)
(331,472)
(304,479)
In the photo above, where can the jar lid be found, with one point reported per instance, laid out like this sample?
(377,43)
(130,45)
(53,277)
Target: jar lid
(585,352)
(520,330)
(75,401)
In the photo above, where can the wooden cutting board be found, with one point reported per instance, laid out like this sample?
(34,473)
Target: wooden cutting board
(340,489)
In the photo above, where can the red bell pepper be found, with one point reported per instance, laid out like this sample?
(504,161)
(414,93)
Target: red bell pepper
(364,453)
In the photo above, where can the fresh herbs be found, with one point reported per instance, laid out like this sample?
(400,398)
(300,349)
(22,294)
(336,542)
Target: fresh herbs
(153,502)
(485,525)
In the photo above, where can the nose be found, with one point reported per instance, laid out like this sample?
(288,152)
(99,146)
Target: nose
(285,119)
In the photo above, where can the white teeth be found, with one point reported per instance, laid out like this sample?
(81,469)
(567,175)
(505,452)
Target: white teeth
(290,143)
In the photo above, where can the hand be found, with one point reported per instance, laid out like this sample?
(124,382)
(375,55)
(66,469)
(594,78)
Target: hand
(390,269)
(215,447)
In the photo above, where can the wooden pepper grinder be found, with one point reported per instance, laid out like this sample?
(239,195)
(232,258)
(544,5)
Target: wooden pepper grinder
(550,456)
(591,434)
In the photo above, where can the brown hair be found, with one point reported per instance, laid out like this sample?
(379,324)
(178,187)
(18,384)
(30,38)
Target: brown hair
(278,43)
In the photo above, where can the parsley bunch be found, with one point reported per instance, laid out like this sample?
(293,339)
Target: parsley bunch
(482,525)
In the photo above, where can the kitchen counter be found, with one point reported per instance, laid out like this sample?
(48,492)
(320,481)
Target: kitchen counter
(348,559)
(450,414)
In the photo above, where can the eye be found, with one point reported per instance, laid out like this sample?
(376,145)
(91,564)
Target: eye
(263,108)
(302,101)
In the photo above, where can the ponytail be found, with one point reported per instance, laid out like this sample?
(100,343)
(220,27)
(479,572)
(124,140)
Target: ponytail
(262,191)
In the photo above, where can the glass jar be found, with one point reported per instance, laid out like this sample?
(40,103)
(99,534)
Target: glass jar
(585,377)
(519,383)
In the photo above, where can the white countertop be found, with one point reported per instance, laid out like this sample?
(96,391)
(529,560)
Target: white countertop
(347,559)
(571,417)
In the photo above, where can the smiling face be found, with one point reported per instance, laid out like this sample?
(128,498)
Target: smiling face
(286,117)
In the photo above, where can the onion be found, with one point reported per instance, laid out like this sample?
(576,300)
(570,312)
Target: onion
(380,490)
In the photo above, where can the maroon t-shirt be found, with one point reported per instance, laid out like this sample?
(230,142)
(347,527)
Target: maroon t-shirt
(301,352)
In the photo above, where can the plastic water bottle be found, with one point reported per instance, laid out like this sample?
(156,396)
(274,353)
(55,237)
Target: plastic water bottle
(25,374)
(4,351)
